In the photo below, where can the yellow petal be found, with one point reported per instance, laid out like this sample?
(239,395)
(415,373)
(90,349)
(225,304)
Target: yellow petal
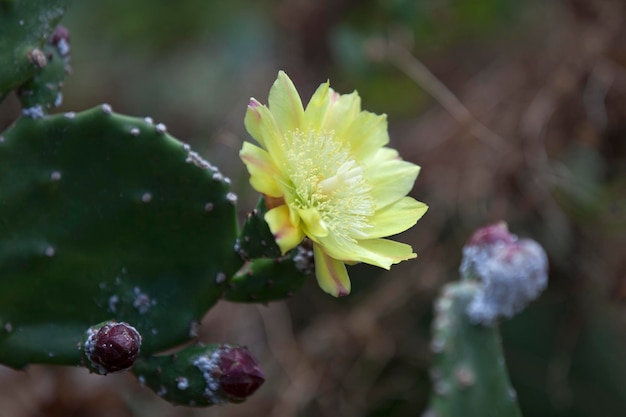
(394,251)
(395,218)
(285,104)
(331,273)
(252,121)
(342,111)
(366,134)
(317,109)
(263,172)
(379,252)
(313,222)
(261,125)
(286,234)
(391,180)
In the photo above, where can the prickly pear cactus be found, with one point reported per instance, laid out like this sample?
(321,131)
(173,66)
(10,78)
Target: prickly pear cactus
(106,217)
(501,275)
(469,373)
(25,26)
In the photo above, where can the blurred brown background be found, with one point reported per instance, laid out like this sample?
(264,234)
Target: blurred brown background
(523,121)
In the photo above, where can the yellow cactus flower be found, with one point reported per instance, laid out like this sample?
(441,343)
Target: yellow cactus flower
(327,175)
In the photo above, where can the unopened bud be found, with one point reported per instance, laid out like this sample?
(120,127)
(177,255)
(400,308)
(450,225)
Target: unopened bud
(231,374)
(512,272)
(112,347)
(60,38)
(240,374)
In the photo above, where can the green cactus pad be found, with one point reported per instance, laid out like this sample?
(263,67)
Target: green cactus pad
(25,26)
(469,372)
(256,240)
(42,92)
(264,280)
(106,217)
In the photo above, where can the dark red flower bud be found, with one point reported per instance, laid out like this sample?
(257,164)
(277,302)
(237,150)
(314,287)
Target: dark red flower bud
(239,373)
(112,347)
(60,33)
(491,234)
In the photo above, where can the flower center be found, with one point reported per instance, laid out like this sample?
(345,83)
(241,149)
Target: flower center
(328,189)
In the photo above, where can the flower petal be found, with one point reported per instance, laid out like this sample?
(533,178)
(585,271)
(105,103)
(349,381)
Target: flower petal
(313,223)
(379,252)
(252,121)
(286,234)
(317,109)
(395,218)
(366,134)
(342,110)
(391,180)
(331,273)
(285,104)
(261,125)
(263,172)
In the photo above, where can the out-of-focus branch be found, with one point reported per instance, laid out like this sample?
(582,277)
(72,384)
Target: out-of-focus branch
(413,68)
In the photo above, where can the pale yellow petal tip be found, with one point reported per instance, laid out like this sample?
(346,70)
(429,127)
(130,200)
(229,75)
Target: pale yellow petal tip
(331,274)
(286,234)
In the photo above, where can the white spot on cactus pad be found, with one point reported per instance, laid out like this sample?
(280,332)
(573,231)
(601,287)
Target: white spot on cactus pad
(142,302)
(113,300)
(208,207)
(146,197)
(35,112)
(232,197)
(182,383)
(49,251)
(70,115)
(8,327)
(161,128)
(55,176)
(148,120)
(209,366)
(106,108)
(63,47)
(162,391)
(220,278)
(58,100)
(134,131)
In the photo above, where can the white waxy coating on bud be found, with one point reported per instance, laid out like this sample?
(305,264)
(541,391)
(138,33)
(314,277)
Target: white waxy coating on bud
(512,273)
